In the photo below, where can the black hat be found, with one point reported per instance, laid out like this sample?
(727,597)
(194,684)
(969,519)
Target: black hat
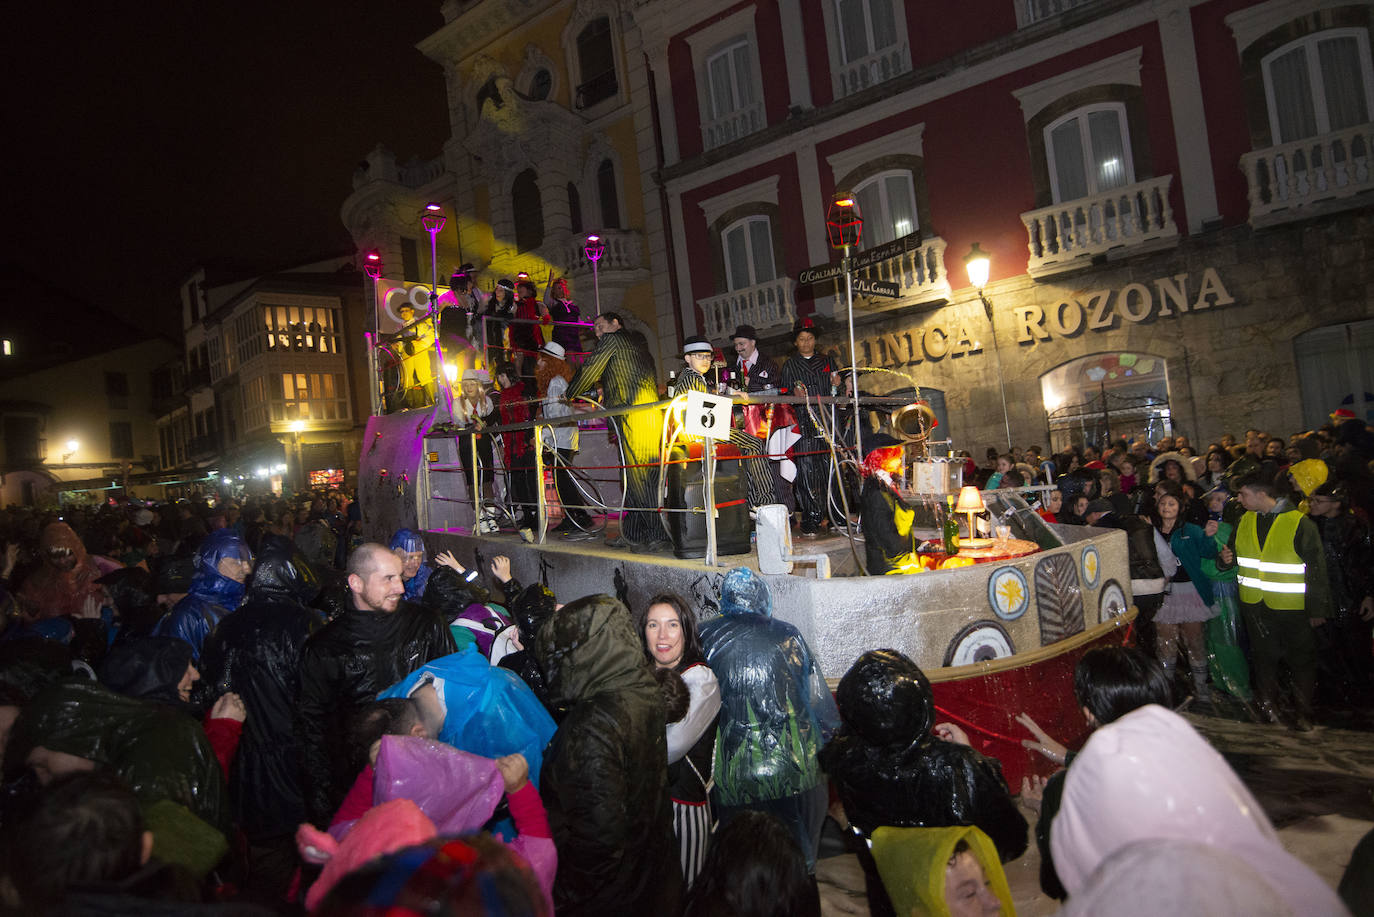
(806,323)
(1100,505)
(745,331)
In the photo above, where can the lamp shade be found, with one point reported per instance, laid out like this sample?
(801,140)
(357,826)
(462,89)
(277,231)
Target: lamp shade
(978,263)
(843,224)
(970,500)
(594,248)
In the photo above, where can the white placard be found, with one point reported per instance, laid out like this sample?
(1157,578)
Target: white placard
(707,415)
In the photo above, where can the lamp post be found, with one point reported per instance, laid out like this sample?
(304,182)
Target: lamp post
(844,227)
(978,264)
(372,267)
(72,446)
(594,248)
(433,221)
(297,427)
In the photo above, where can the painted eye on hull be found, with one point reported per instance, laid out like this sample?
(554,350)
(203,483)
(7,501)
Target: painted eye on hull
(1111,603)
(979,642)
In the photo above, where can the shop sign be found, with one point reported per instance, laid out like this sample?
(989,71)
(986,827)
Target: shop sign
(915,345)
(1105,310)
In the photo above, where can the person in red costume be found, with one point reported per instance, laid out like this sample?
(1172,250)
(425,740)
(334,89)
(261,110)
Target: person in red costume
(65,584)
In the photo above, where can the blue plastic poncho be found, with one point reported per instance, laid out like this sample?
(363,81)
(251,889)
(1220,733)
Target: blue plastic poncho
(409,542)
(212,594)
(776,711)
(488,710)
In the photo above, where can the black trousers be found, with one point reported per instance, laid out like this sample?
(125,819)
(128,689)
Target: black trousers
(809,486)
(568,494)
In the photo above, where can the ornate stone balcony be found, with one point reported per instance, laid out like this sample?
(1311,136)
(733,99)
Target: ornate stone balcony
(919,271)
(1308,177)
(765,305)
(876,68)
(1120,222)
(624,252)
(1032,11)
(733,126)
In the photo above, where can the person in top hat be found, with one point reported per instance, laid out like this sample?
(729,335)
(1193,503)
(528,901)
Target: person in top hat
(551,377)
(809,373)
(754,372)
(698,354)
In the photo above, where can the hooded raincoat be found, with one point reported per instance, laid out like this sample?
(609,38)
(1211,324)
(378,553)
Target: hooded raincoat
(213,595)
(256,652)
(409,541)
(912,862)
(890,769)
(605,774)
(343,666)
(531,608)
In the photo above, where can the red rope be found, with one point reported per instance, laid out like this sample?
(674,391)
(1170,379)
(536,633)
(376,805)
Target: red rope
(686,461)
(976,727)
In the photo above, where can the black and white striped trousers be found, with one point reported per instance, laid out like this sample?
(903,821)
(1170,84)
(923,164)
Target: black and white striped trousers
(692,825)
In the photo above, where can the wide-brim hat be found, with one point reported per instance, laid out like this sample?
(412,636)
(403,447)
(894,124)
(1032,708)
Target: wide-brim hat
(697,344)
(554,349)
(476,375)
(745,331)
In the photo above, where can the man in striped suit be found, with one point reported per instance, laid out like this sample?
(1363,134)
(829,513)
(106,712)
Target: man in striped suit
(625,372)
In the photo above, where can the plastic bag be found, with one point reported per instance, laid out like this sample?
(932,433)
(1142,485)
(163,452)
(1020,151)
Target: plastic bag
(458,791)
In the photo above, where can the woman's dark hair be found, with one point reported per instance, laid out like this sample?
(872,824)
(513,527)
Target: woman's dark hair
(1111,681)
(390,716)
(753,869)
(507,368)
(691,643)
(677,699)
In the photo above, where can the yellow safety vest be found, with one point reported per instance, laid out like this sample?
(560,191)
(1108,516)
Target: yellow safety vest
(1273,574)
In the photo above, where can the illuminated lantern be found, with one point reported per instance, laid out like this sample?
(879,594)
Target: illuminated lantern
(594,248)
(843,224)
(372,264)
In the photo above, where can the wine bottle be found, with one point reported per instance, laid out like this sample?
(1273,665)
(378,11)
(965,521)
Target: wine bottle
(951,528)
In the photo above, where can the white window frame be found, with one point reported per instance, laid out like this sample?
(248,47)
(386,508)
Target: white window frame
(713,40)
(736,78)
(898,22)
(885,216)
(583,13)
(1314,77)
(1120,109)
(743,223)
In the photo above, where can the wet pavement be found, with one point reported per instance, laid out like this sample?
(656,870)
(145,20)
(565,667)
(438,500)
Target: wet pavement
(1317,788)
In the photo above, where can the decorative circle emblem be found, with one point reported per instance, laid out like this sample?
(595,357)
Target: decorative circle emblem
(1008,593)
(979,642)
(1111,603)
(1092,566)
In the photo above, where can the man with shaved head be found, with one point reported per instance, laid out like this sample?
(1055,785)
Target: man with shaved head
(375,644)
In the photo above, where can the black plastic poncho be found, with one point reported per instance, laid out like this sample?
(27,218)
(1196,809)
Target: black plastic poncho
(605,774)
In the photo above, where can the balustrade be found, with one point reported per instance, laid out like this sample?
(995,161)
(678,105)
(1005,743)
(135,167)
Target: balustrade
(1067,234)
(1287,181)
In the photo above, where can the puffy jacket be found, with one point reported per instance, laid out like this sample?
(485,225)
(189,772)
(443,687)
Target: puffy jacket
(161,753)
(343,666)
(213,595)
(256,653)
(889,769)
(605,774)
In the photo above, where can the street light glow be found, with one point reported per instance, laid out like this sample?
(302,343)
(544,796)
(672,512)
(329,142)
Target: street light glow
(978,263)
(73,445)
(297,426)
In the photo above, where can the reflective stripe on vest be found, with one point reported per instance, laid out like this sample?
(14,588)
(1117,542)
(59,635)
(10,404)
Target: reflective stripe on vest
(1273,574)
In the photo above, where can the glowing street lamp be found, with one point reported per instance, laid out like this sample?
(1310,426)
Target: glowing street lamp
(594,248)
(372,267)
(978,263)
(72,446)
(844,227)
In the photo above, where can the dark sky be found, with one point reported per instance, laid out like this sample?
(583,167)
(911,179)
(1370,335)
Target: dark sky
(146,138)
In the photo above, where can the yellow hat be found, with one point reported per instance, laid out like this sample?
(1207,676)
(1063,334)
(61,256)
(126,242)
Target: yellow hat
(1309,474)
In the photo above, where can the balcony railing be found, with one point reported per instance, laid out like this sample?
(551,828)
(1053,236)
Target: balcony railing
(624,252)
(733,126)
(764,305)
(1294,180)
(1071,234)
(919,272)
(879,67)
(1031,11)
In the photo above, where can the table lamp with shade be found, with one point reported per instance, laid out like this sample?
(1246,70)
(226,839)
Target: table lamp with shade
(970,503)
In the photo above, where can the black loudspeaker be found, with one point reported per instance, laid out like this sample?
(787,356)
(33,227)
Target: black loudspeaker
(687,490)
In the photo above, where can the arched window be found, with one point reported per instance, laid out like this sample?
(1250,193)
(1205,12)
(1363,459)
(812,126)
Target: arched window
(1105,396)
(574,207)
(596,63)
(748,248)
(605,189)
(1089,152)
(1319,84)
(887,203)
(529,211)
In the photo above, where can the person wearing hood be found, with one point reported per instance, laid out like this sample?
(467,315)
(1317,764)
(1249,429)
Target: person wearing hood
(892,764)
(776,713)
(942,872)
(531,608)
(605,774)
(1149,777)
(256,653)
(375,643)
(410,548)
(65,582)
(223,563)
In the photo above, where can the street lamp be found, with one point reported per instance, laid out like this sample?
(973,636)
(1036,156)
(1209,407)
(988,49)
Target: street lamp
(978,263)
(594,248)
(72,446)
(372,267)
(844,228)
(433,221)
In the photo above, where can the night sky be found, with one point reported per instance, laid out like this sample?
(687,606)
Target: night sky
(147,138)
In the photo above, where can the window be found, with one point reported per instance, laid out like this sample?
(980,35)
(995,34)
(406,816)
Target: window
(866,27)
(121,439)
(410,259)
(574,207)
(596,63)
(1318,84)
(117,390)
(529,211)
(1089,152)
(1336,369)
(748,247)
(730,81)
(887,202)
(23,442)
(605,189)
(541,85)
